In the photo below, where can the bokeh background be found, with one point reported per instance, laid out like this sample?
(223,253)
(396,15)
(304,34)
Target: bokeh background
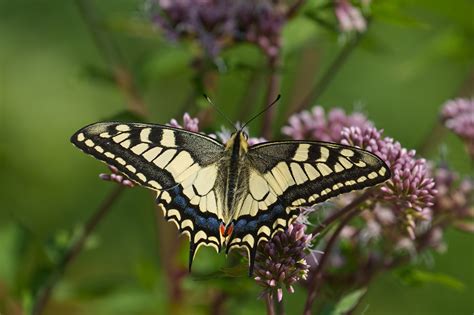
(54,80)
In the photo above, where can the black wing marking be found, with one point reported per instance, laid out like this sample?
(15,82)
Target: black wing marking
(305,173)
(178,164)
(249,230)
(202,228)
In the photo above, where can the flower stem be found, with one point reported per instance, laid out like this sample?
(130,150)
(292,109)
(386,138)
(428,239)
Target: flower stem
(438,131)
(432,139)
(73,251)
(335,216)
(269,303)
(323,83)
(316,277)
(247,100)
(273,87)
(293,9)
(111,54)
(218,303)
(280,307)
(168,248)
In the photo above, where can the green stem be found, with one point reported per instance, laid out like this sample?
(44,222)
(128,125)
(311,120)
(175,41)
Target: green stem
(73,251)
(112,55)
(280,307)
(432,139)
(273,88)
(323,83)
(315,278)
(337,215)
(247,101)
(270,305)
(294,8)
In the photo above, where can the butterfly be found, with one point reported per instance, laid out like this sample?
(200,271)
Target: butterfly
(231,194)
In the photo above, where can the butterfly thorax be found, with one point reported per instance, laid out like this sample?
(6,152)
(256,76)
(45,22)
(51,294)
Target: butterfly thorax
(234,173)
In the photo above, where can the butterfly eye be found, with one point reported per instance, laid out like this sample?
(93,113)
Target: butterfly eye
(246,136)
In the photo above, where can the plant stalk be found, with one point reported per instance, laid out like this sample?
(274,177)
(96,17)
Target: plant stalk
(71,254)
(328,76)
(273,88)
(315,278)
(270,305)
(337,215)
(112,55)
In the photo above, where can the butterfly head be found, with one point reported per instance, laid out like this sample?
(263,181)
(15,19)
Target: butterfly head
(238,142)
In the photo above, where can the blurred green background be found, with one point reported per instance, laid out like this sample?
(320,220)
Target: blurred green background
(53,81)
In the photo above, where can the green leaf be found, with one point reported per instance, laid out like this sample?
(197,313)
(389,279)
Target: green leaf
(348,302)
(417,277)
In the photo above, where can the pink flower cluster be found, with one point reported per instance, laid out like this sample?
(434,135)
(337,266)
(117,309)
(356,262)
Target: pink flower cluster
(217,23)
(350,18)
(411,185)
(189,123)
(280,262)
(458,116)
(316,125)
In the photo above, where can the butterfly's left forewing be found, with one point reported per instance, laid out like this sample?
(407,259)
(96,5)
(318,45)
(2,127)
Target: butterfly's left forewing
(286,175)
(180,165)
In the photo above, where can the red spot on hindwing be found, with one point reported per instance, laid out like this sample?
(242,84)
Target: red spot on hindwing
(226,231)
(222,229)
(229,230)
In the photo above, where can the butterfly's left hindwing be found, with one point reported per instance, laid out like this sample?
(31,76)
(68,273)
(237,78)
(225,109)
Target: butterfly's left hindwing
(180,165)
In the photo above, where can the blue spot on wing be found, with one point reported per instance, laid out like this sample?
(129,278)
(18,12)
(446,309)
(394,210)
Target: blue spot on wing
(190,212)
(249,225)
(263,218)
(240,224)
(213,223)
(180,202)
(202,221)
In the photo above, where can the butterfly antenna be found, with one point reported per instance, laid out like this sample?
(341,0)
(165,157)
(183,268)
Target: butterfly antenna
(261,112)
(219,111)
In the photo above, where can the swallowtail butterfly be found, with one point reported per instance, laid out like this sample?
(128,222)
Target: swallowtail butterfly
(232,194)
